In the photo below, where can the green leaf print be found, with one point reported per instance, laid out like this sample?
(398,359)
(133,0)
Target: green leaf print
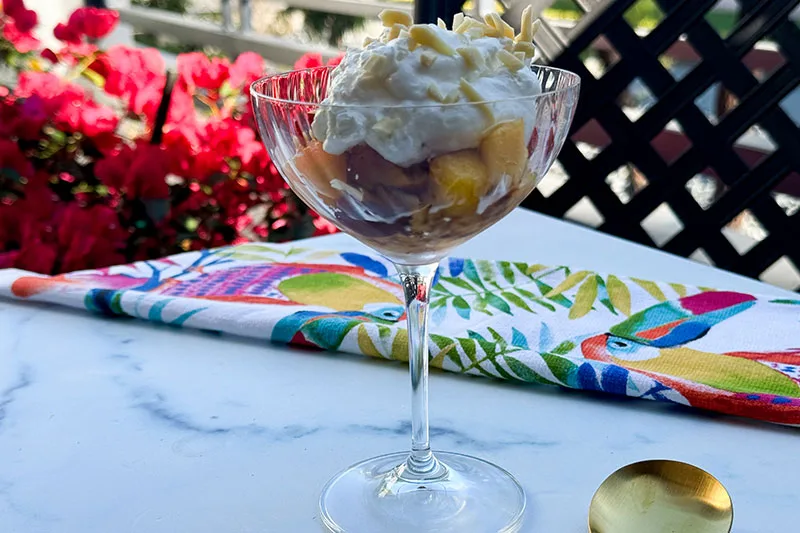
(620,295)
(530,269)
(516,300)
(507,271)
(498,303)
(584,299)
(651,288)
(563,348)
(462,307)
(523,372)
(545,289)
(458,282)
(571,281)
(486,269)
(678,288)
(563,369)
(472,274)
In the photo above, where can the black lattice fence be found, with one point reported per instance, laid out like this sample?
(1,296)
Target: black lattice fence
(704,152)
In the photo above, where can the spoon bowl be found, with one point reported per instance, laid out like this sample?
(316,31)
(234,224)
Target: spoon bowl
(661,496)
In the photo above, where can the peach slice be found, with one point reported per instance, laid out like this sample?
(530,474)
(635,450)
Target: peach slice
(320,168)
(504,151)
(462,179)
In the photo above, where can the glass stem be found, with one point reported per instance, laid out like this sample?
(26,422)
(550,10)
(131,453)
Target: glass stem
(417,281)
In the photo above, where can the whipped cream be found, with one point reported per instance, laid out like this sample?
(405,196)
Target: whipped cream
(410,94)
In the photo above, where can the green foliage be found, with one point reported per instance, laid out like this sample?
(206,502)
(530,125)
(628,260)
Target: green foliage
(329,27)
(176,6)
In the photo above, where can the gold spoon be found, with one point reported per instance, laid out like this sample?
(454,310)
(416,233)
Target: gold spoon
(661,497)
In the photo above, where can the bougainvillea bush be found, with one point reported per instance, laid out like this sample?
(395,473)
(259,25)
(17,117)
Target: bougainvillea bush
(95,170)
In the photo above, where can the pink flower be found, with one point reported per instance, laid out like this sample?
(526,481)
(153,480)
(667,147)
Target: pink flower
(313,60)
(247,68)
(335,61)
(91,22)
(68,34)
(24,42)
(97,120)
(137,76)
(196,69)
(24,19)
(309,60)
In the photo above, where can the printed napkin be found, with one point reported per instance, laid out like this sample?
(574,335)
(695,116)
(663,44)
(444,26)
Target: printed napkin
(712,349)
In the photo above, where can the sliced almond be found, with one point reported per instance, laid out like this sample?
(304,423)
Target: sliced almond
(390,17)
(508,59)
(473,95)
(387,125)
(472,57)
(367,41)
(435,92)
(452,97)
(394,31)
(525,26)
(442,24)
(521,56)
(427,36)
(427,58)
(476,32)
(525,47)
(499,26)
(458,18)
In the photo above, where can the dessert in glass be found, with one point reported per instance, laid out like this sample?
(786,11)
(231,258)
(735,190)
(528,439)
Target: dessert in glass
(413,144)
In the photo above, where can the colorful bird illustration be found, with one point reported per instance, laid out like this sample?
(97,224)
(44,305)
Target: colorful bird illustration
(653,342)
(328,330)
(362,287)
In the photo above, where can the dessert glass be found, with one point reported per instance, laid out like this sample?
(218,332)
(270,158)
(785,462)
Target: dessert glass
(415,216)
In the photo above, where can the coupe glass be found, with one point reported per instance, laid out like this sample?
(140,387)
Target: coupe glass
(415,216)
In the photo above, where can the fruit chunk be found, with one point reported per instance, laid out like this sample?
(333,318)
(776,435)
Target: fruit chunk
(503,150)
(320,168)
(367,169)
(462,179)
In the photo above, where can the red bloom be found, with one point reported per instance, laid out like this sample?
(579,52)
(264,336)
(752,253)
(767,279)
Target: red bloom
(49,55)
(247,68)
(90,237)
(140,171)
(97,120)
(91,22)
(313,59)
(309,60)
(36,256)
(13,160)
(32,116)
(67,33)
(335,61)
(24,18)
(23,41)
(55,92)
(196,69)
(137,76)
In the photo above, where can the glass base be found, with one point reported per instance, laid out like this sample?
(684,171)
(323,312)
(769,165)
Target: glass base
(468,494)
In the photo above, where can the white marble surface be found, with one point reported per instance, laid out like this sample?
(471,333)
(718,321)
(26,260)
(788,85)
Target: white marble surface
(118,426)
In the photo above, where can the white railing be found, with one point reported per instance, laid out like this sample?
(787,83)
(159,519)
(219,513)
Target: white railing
(192,31)
(281,50)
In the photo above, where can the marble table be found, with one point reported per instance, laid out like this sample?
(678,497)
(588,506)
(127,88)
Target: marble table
(120,426)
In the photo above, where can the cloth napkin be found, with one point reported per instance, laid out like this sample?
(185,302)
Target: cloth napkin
(712,349)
